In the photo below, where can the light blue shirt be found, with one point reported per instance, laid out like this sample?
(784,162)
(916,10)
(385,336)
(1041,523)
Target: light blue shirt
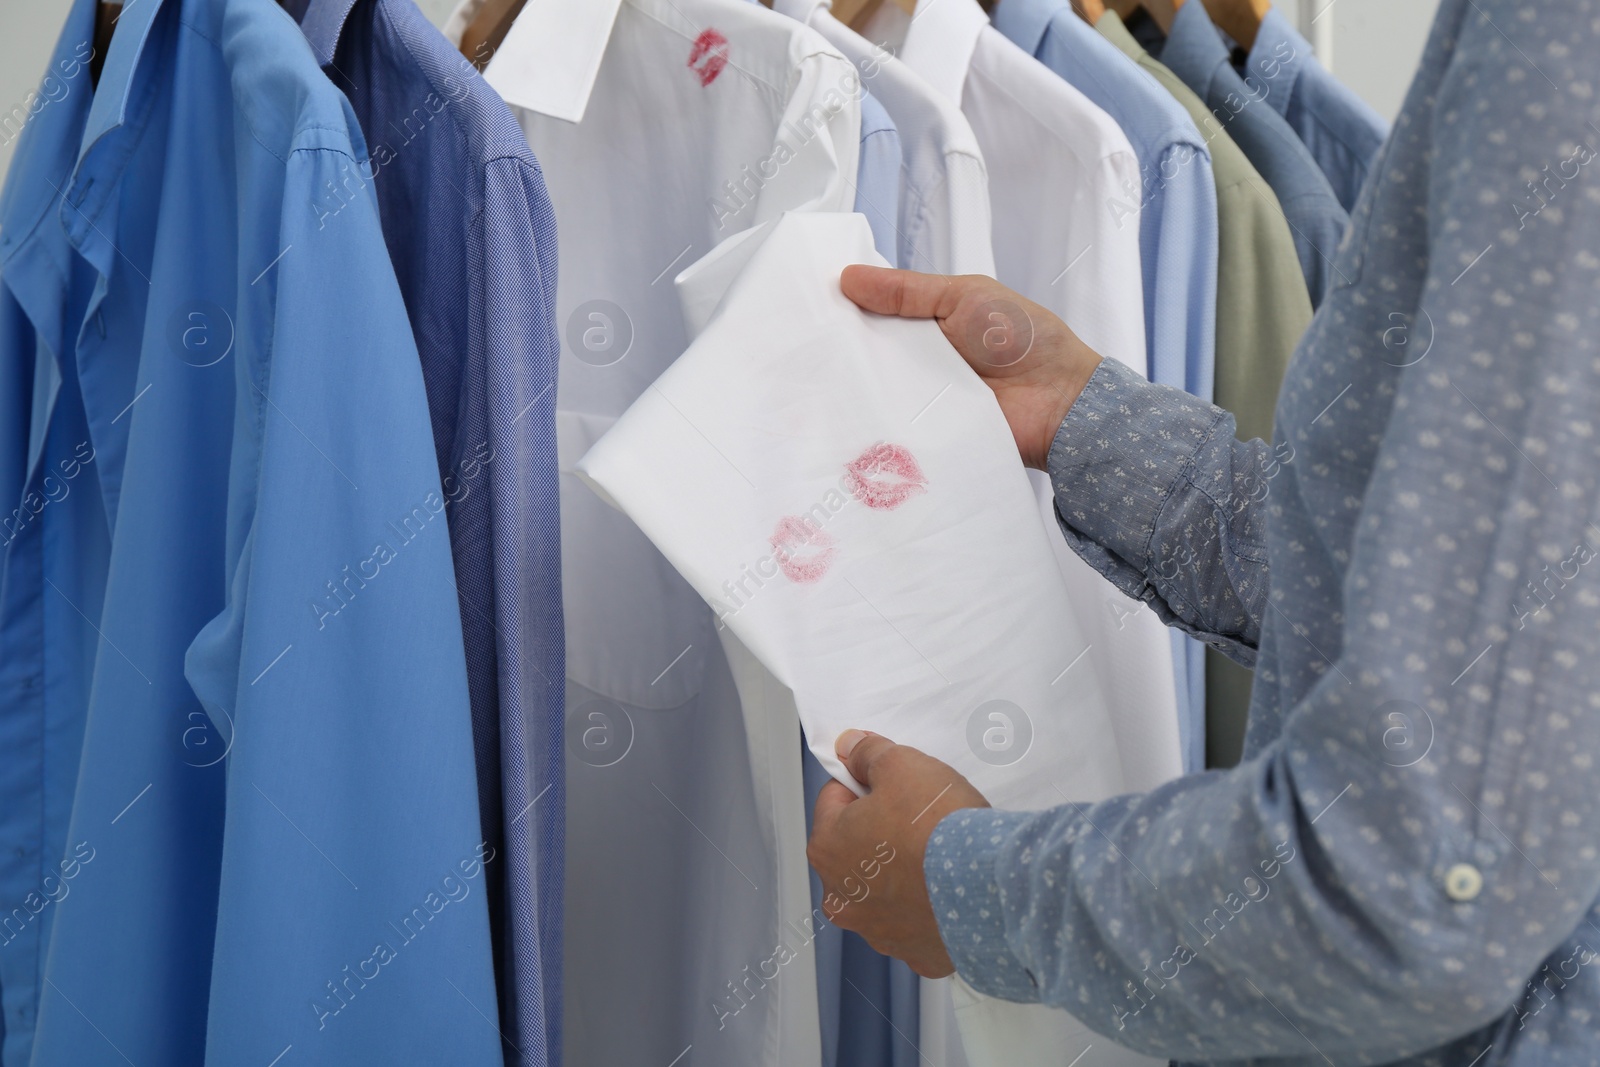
(1194,52)
(1177,240)
(273,845)
(1342,133)
(878,176)
(1406,866)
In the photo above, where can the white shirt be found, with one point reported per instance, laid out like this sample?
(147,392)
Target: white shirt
(1056,163)
(944,188)
(696,120)
(847,492)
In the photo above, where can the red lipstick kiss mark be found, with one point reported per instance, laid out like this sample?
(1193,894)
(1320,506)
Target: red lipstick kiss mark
(885,476)
(804,549)
(711,47)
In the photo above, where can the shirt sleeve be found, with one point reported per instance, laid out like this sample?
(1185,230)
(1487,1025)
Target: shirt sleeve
(1181,309)
(1154,492)
(523,352)
(351,814)
(1336,897)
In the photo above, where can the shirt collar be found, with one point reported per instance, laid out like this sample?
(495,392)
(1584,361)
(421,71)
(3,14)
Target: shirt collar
(1278,42)
(1193,43)
(551,55)
(52,134)
(323,24)
(113,96)
(802,10)
(939,43)
(1025,21)
(1113,29)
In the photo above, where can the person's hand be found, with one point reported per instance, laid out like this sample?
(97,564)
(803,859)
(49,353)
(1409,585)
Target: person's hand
(869,849)
(1033,362)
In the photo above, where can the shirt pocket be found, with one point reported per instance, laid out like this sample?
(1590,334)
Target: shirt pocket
(637,633)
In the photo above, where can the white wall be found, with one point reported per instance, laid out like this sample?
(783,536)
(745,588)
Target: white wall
(1373,45)
(28,32)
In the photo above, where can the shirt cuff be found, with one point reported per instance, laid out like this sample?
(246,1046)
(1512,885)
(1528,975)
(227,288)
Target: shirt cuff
(959,867)
(1119,453)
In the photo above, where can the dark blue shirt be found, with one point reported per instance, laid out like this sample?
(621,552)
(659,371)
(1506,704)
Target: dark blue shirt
(471,231)
(1194,52)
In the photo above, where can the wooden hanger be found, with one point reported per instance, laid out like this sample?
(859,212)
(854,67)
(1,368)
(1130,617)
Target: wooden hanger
(1239,19)
(855,13)
(1161,11)
(488,28)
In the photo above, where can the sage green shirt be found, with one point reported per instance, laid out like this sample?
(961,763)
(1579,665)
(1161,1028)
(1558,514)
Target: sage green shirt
(1262,310)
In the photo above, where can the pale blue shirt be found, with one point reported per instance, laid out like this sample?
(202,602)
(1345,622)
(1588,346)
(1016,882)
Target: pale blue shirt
(272,849)
(1405,868)
(1339,129)
(1177,220)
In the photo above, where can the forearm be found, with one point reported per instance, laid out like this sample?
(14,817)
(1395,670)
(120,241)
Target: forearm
(1155,493)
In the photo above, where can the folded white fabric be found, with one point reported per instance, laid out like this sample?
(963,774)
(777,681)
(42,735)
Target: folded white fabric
(846,493)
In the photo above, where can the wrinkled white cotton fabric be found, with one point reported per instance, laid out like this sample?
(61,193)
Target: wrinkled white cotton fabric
(685,830)
(846,493)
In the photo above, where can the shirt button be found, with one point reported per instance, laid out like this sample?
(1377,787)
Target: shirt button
(1463,882)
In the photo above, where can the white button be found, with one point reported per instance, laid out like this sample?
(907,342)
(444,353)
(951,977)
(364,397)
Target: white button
(1463,882)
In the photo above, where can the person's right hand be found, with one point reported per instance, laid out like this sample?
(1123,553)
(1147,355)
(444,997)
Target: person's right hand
(1033,362)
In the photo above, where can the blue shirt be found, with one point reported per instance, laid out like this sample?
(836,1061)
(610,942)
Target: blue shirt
(54,545)
(1177,217)
(878,176)
(1340,130)
(1194,52)
(1177,221)
(473,239)
(1406,866)
(273,840)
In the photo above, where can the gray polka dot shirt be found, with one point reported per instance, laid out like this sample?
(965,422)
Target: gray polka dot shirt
(1406,867)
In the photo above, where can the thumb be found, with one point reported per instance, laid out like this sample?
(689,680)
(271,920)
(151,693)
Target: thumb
(861,751)
(906,293)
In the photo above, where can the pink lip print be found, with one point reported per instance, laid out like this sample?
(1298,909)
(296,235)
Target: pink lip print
(885,476)
(711,47)
(804,549)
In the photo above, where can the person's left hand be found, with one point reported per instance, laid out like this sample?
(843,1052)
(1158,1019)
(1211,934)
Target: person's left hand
(869,849)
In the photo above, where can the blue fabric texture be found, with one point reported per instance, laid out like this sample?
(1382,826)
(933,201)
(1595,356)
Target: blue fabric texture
(1341,131)
(54,538)
(472,235)
(273,841)
(1406,866)
(1196,53)
(1177,219)
(878,175)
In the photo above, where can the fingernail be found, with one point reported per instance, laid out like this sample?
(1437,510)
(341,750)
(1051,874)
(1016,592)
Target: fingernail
(848,741)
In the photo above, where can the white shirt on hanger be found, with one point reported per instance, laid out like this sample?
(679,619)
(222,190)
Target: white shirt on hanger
(944,184)
(1056,164)
(696,119)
